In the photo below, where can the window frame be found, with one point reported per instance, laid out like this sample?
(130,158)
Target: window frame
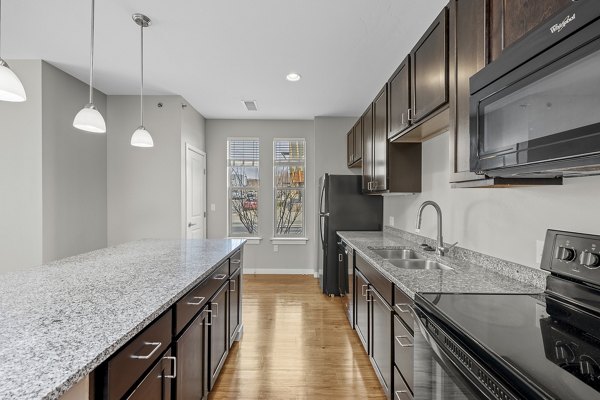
(288,238)
(228,188)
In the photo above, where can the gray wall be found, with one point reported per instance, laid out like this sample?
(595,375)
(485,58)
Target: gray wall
(504,223)
(74,169)
(144,184)
(261,258)
(21,172)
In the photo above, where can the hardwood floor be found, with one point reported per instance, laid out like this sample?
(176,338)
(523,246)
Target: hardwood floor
(297,344)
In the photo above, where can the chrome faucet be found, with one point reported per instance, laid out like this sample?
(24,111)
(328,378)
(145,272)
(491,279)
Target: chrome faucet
(440,249)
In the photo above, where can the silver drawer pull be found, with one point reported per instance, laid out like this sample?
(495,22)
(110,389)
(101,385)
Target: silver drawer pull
(408,308)
(220,277)
(196,303)
(367,296)
(147,356)
(174,359)
(403,394)
(209,321)
(236,261)
(232,289)
(362,290)
(216,313)
(406,338)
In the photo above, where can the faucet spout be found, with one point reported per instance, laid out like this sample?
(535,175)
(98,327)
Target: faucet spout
(440,240)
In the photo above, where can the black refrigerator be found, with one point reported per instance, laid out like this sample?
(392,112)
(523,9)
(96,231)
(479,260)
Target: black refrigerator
(343,207)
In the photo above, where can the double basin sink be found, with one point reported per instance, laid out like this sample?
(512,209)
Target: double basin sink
(408,259)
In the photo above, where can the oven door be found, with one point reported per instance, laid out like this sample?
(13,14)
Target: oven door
(541,117)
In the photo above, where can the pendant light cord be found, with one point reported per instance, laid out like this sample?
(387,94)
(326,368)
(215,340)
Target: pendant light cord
(91,56)
(142,75)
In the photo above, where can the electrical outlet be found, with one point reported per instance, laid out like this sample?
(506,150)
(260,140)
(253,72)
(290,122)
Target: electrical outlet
(275,248)
(539,249)
(391,221)
(213,207)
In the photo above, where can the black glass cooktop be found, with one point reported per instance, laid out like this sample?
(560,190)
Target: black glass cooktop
(547,343)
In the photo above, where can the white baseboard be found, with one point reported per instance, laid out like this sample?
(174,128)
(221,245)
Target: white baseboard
(278,271)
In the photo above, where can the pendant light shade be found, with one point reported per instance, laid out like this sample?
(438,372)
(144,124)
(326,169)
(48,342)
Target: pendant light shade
(141,137)
(11,88)
(89,118)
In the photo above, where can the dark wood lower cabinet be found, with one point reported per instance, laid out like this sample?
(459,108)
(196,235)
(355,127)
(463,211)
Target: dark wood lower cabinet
(156,385)
(235,306)
(361,321)
(218,332)
(381,341)
(191,350)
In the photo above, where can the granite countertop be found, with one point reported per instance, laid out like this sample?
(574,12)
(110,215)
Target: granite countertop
(489,275)
(60,321)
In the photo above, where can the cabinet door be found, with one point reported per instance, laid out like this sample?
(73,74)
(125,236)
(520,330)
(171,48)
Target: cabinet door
(361,321)
(429,70)
(350,147)
(380,141)
(467,27)
(399,86)
(358,132)
(510,20)
(367,161)
(381,343)
(235,305)
(219,334)
(191,350)
(156,385)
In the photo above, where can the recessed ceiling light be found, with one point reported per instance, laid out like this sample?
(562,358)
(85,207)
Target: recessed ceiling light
(293,77)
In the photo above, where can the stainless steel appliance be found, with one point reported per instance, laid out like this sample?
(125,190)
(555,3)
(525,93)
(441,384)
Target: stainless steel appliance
(346,278)
(517,346)
(534,111)
(343,207)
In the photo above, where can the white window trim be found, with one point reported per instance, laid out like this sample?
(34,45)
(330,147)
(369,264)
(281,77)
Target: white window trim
(250,239)
(289,239)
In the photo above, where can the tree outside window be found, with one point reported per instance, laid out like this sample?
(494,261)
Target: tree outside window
(243,182)
(289,164)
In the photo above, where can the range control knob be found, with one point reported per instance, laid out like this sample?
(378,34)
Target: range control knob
(566,254)
(589,259)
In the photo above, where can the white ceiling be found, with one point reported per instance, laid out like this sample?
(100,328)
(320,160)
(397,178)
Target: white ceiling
(217,53)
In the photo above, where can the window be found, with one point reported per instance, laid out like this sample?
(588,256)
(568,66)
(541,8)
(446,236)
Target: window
(242,187)
(289,162)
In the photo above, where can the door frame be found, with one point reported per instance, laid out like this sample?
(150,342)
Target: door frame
(189,147)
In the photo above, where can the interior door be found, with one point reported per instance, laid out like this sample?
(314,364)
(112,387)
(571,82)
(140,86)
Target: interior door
(195,166)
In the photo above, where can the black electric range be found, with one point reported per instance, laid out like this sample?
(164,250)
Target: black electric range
(517,346)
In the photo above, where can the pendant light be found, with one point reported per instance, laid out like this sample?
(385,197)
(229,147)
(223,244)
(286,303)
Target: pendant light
(11,88)
(89,118)
(141,137)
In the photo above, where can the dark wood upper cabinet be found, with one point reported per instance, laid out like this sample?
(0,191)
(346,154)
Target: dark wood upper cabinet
(399,99)
(358,132)
(510,20)
(429,70)
(350,148)
(380,142)
(367,161)
(467,27)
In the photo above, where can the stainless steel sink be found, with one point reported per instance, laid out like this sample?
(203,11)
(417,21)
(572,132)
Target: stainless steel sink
(400,254)
(419,264)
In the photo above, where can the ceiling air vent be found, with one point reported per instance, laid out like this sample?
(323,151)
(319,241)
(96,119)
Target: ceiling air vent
(250,105)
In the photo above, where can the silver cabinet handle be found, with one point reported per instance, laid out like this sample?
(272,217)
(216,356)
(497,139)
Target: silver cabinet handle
(402,121)
(406,338)
(220,277)
(372,298)
(174,359)
(196,303)
(190,225)
(147,356)
(340,257)
(216,314)
(409,117)
(362,290)
(233,283)
(209,322)
(403,394)
(236,261)
(405,310)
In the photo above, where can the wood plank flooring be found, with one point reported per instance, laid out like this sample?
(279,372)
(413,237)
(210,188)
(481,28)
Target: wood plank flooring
(297,344)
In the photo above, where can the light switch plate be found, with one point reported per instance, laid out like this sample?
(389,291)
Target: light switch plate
(391,221)
(539,249)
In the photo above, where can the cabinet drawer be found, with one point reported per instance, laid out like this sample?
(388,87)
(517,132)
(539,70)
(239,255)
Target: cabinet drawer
(404,307)
(191,304)
(129,363)
(376,279)
(401,392)
(403,351)
(235,262)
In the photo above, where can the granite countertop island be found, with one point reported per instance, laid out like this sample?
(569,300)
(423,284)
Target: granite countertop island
(471,272)
(60,321)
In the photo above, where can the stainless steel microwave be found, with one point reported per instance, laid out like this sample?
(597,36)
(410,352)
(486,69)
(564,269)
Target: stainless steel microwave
(535,111)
